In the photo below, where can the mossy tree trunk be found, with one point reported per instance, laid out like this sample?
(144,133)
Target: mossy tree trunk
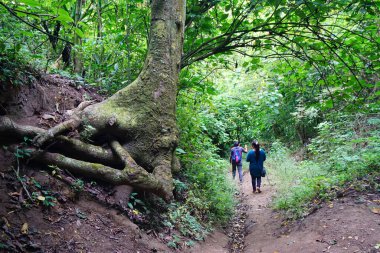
(78,54)
(138,122)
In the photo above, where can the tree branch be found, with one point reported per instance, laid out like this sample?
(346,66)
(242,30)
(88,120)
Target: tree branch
(11,11)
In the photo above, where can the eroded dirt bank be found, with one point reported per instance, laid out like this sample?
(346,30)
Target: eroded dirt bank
(79,223)
(81,218)
(347,224)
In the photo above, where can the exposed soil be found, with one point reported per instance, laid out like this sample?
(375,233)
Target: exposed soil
(346,224)
(90,218)
(94,218)
(79,224)
(43,101)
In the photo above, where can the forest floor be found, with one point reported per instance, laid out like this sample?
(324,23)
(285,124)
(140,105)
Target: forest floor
(86,220)
(86,216)
(347,224)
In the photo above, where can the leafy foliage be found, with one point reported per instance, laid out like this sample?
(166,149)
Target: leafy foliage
(298,74)
(110,56)
(345,154)
(204,170)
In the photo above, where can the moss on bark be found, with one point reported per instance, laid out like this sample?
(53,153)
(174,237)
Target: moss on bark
(141,117)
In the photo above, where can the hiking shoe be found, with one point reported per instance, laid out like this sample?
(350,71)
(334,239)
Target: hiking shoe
(258,190)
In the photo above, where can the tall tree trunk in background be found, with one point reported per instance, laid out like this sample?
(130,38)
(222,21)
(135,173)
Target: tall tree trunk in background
(128,28)
(99,19)
(78,55)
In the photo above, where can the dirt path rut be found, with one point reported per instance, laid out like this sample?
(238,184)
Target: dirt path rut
(345,225)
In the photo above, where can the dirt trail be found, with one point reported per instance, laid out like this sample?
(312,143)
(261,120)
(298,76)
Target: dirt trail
(78,224)
(344,225)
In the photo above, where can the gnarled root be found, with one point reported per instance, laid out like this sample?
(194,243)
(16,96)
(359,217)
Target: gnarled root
(71,124)
(10,129)
(95,162)
(141,178)
(42,138)
(135,177)
(141,116)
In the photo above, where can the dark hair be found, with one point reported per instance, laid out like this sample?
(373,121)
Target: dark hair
(236,143)
(256,146)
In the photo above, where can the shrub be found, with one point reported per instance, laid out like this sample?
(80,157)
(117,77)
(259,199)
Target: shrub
(344,152)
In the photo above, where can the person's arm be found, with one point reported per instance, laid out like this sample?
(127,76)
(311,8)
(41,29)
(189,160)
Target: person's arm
(265,156)
(248,157)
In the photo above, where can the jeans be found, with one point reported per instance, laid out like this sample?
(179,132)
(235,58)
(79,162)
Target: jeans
(254,179)
(240,171)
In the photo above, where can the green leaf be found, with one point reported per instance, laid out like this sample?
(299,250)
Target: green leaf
(211,91)
(18,155)
(79,32)
(139,201)
(64,16)
(329,104)
(30,2)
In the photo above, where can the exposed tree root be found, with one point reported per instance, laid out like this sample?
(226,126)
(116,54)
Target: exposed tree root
(130,176)
(42,139)
(11,130)
(87,152)
(73,147)
(71,124)
(139,120)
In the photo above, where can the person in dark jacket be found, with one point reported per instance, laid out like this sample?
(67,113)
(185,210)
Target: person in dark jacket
(237,149)
(256,158)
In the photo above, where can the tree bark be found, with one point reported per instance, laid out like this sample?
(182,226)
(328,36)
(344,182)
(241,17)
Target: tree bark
(142,115)
(78,55)
(99,24)
(138,121)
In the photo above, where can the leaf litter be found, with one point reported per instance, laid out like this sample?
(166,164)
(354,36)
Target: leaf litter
(237,228)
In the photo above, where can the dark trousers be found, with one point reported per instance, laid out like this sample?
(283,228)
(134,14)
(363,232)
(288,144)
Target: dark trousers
(256,181)
(239,169)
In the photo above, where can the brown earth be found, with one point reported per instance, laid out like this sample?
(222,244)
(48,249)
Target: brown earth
(89,219)
(92,221)
(346,224)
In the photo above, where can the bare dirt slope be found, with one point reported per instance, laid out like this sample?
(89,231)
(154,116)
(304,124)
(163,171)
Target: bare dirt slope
(344,225)
(83,218)
(85,221)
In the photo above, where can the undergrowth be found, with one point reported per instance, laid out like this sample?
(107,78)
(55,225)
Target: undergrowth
(344,155)
(203,199)
(204,193)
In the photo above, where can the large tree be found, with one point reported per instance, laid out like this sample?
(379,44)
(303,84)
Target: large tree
(138,122)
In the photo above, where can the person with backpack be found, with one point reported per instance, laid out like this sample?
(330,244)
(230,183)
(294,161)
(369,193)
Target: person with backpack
(236,160)
(256,158)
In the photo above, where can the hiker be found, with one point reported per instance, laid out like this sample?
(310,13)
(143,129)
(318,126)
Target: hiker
(256,158)
(236,159)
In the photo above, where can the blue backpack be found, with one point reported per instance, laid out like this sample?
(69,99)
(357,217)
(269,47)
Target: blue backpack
(236,155)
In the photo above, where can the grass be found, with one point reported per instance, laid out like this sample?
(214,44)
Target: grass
(212,191)
(300,185)
(204,198)
(289,176)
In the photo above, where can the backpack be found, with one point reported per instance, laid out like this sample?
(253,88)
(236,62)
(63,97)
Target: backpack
(236,155)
